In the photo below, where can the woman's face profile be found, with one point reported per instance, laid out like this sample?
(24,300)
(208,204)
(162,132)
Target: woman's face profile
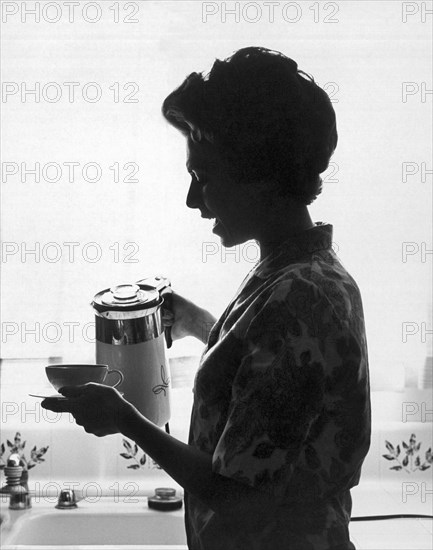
(217,196)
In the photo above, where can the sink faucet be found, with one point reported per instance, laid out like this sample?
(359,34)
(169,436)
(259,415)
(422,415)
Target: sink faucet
(20,501)
(67,499)
(19,496)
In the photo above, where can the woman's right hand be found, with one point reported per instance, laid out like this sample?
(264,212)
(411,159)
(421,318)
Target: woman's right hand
(187,319)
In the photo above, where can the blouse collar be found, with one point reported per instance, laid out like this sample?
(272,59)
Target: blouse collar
(297,246)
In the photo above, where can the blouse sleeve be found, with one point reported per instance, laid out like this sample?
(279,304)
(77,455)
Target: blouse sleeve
(301,354)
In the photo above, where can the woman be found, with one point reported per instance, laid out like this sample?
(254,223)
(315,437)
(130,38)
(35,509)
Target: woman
(281,417)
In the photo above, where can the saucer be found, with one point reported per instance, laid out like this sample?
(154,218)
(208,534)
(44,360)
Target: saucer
(57,396)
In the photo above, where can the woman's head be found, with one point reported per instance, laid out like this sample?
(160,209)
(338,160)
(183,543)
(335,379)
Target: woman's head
(267,120)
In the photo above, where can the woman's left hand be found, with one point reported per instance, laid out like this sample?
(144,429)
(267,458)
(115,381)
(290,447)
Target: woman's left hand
(100,409)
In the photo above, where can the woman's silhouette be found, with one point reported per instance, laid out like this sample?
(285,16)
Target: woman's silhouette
(281,418)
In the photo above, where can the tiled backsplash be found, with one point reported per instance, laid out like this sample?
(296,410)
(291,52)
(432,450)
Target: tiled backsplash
(95,463)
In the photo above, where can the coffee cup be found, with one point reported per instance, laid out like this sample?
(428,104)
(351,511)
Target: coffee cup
(76,375)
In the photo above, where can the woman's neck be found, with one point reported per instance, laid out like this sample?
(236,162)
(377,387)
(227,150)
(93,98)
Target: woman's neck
(284,222)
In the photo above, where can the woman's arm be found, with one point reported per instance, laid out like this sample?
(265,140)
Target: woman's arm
(192,469)
(187,319)
(101,410)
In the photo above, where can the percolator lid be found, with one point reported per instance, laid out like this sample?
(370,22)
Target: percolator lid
(126,297)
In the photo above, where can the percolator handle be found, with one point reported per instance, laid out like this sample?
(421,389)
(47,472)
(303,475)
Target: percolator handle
(167,294)
(163,286)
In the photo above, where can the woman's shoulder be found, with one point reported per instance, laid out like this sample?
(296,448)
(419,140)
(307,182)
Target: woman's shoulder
(314,285)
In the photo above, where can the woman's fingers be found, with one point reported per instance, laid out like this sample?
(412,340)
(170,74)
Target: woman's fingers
(96,407)
(72,394)
(167,318)
(74,391)
(57,405)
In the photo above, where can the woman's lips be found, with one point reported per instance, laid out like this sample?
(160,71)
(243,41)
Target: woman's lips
(216,221)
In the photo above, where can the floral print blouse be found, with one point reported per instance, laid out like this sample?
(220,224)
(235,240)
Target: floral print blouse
(282,400)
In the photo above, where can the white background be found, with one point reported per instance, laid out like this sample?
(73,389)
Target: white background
(365,54)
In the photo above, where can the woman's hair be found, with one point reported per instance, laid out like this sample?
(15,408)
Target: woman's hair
(268,120)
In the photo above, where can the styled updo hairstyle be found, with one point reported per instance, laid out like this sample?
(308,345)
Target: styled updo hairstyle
(268,120)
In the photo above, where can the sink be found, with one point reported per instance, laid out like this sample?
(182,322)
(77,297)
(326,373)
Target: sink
(98,525)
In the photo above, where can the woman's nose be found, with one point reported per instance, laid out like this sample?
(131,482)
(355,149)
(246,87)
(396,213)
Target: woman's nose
(193,199)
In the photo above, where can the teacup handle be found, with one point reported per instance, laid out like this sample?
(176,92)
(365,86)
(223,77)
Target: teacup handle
(114,371)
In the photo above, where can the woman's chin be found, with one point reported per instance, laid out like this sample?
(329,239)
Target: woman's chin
(220,230)
(227,239)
